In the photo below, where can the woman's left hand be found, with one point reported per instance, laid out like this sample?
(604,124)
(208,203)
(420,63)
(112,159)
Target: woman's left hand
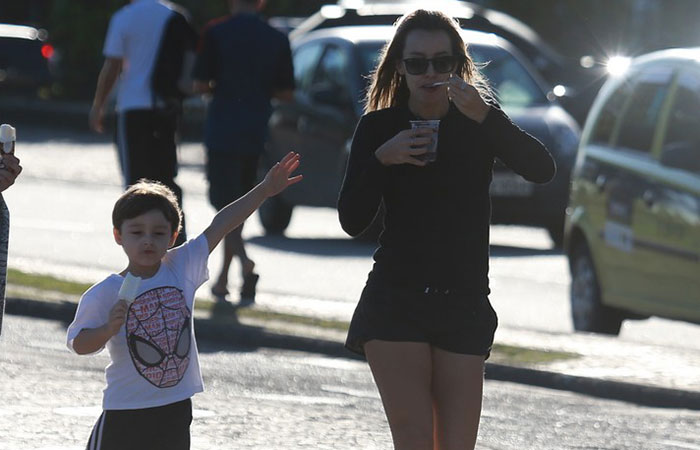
(467,99)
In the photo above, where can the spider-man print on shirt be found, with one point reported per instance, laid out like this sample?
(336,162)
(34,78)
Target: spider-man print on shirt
(158,335)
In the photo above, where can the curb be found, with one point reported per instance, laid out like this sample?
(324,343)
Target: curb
(255,336)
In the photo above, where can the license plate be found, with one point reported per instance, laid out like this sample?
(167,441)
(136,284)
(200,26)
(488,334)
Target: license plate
(509,184)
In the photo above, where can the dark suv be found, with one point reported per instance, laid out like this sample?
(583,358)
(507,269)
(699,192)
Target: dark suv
(26,60)
(331,68)
(633,222)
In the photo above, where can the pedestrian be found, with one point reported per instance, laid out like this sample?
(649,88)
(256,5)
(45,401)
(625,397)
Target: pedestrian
(146,122)
(424,321)
(9,171)
(243,63)
(154,369)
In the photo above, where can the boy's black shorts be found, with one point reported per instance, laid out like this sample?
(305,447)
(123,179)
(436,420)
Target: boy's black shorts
(457,321)
(164,427)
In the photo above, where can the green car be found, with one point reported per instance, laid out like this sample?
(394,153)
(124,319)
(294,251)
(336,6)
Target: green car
(632,232)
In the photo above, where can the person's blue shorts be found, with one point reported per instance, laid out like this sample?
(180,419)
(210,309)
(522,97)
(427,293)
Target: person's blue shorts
(230,176)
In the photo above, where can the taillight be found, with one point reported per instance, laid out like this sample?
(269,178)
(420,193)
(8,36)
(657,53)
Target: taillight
(47,51)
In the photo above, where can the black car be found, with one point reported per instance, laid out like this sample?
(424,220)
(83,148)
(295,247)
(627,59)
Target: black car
(331,69)
(577,79)
(26,60)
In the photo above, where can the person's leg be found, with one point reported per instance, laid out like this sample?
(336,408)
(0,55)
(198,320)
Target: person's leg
(457,387)
(164,165)
(146,140)
(230,177)
(233,246)
(402,372)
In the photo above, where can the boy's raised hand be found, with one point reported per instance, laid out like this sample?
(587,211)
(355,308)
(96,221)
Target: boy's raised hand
(278,177)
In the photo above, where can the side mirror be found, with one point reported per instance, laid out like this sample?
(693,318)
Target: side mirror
(682,155)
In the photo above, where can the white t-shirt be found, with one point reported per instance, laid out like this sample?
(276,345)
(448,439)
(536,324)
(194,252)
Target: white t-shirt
(154,359)
(134,35)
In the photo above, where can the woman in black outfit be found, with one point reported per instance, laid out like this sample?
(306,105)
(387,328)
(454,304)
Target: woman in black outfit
(424,320)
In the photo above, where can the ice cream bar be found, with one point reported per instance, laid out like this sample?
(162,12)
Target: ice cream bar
(8,135)
(129,288)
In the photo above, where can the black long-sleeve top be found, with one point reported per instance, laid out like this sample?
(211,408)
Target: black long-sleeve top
(436,226)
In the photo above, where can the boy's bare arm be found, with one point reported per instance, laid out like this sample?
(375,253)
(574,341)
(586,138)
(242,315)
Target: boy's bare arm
(234,214)
(90,340)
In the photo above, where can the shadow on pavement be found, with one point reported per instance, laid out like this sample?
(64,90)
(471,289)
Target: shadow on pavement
(316,246)
(511,251)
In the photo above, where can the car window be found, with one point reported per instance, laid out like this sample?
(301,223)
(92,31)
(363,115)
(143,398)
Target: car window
(641,114)
(681,145)
(609,114)
(369,57)
(333,68)
(510,80)
(305,59)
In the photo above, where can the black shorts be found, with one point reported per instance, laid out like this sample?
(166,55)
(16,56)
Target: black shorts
(230,176)
(453,321)
(164,427)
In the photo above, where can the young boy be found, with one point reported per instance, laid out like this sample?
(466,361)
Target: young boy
(154,367)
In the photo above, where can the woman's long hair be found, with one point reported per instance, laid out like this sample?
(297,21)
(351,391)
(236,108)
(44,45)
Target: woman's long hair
(388,87)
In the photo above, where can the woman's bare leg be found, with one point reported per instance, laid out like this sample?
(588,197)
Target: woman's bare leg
(458,382)
(402,372)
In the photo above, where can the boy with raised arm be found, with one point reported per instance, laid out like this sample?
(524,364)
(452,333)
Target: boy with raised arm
(154,369)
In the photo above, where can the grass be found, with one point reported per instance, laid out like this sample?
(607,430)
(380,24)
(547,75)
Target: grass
(46,282)
(527,356)
(505,354)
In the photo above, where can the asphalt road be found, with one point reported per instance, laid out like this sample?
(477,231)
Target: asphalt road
(61,209)
(266,399)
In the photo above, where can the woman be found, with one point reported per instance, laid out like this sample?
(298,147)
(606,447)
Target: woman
(424,320)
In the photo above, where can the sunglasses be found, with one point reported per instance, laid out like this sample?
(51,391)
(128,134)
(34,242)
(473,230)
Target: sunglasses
(441,64)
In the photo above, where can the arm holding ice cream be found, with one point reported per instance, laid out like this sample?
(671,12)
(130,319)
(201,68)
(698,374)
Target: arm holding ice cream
(9,164)
(92,339)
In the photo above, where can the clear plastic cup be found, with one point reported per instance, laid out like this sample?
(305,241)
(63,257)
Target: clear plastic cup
(431,154)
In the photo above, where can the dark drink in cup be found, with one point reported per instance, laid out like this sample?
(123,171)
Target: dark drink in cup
(431,154)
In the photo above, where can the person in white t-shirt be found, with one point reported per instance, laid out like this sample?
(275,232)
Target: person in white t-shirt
(146,134)
(154,368)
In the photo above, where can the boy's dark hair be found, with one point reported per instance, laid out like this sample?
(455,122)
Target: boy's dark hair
(147,195)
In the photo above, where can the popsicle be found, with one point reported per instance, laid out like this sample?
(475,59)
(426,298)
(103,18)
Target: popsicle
(130,287)
(8,135)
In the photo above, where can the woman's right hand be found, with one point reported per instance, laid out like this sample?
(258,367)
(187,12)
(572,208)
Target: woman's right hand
(404,147)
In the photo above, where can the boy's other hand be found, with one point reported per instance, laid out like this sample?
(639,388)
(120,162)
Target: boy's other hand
(117,317)
(278,177)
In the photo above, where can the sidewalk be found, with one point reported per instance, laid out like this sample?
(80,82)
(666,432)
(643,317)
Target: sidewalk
(606,367)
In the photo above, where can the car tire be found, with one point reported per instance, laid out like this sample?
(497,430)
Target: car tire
(275,215)
(587,311)
(556,234)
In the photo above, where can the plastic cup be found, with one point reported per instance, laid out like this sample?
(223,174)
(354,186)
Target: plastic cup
(431,154)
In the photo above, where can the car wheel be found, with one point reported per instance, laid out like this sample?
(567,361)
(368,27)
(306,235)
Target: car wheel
(275,215)
(587,311)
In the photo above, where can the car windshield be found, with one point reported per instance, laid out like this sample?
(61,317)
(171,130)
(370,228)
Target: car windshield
(512,83)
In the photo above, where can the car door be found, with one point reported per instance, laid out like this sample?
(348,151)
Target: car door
(618,161)
(283,127)
(326,121)
(669,236)
(629,218)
